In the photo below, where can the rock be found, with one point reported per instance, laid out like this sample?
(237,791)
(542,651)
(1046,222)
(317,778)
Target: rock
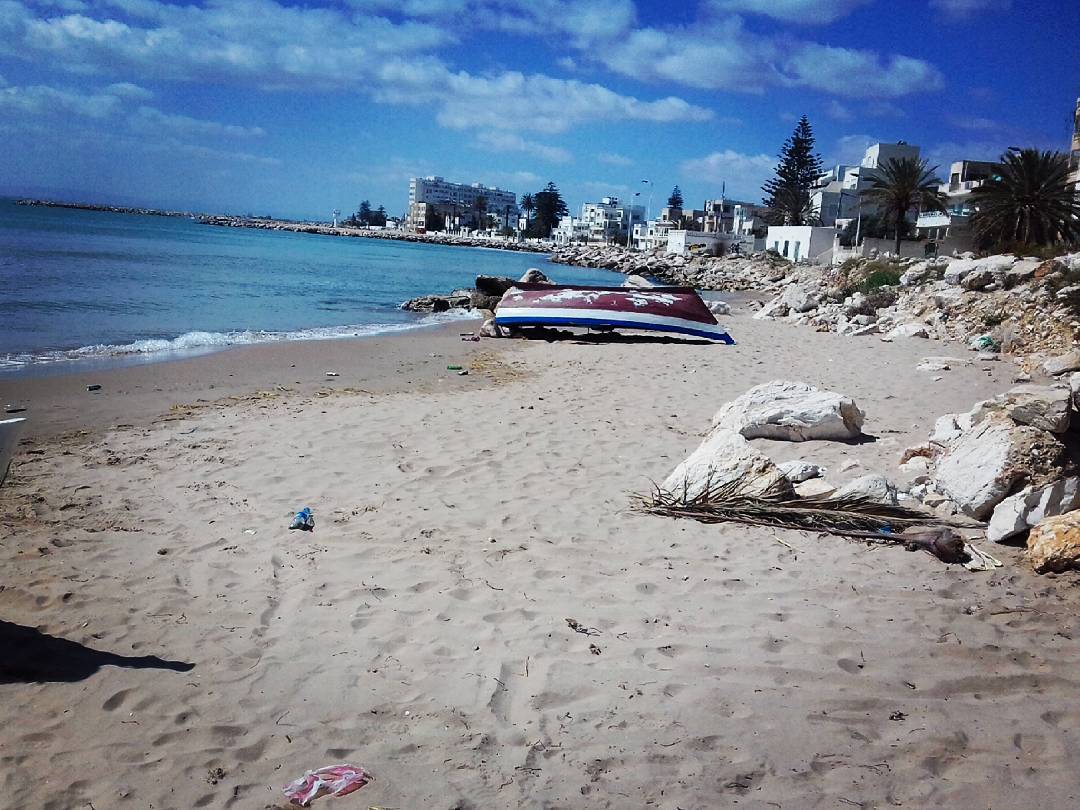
(1054,543)
(815,487)
(791,411)
(874,487)
(1074,387)
(1050,267)
(437,303)
(494,285)
(718,307)
(723,457)
(946,429)
(983,465)
(490,329)
(1020,273)
(1063,364)
(634,280)
(1018,513)
(800,298)
(534,276)
(933,365)
(918,273)
(849,465)
(479,300)
(916,467)
(798,471)
(908,330)
(1041,406)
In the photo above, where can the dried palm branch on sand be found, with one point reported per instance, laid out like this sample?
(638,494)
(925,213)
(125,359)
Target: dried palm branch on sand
(847,515)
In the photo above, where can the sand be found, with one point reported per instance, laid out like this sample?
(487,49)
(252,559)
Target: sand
(421,630)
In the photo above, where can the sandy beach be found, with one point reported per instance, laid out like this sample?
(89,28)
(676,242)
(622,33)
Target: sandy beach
(170,644)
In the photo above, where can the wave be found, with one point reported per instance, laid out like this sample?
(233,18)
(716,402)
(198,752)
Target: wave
(199,342)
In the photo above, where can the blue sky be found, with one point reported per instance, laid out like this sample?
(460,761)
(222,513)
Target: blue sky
(293,110)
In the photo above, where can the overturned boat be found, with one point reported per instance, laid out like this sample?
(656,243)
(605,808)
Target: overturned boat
(677,310)
(9,436)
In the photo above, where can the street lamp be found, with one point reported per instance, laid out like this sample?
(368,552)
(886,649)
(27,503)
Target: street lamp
(648,211)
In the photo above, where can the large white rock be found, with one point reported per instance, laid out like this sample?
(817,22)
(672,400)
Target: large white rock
(1063,364)
(718,307)
(1042,406)
(874,487)
(800,298)
(985,463)
(1018,513)
(791,411)
(945,429)
(908,330)
(723,457)
(798,471)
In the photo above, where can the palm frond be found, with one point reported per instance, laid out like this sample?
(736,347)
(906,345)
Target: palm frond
(730,502)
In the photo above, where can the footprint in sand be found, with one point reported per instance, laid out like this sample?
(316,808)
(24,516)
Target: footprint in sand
(850,666)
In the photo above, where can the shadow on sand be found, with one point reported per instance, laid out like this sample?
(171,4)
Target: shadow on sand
(604,337)
(30,656)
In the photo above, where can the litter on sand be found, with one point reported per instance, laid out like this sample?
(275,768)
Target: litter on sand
(332,374)
(331,780)
(304,520)
(980,560)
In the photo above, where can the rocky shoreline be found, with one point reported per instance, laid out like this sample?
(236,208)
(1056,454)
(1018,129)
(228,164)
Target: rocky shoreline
(367,233)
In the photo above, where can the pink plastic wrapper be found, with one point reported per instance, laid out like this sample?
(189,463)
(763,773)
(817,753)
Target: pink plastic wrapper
(333,780)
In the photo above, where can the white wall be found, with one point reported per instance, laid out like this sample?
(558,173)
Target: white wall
(800,242)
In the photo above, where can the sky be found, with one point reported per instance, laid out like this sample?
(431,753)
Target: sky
(293,110)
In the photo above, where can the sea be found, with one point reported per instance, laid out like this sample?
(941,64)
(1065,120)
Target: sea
(86,289)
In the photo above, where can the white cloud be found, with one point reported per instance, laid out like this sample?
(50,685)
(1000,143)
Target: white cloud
(834,109)
(44,100)
(150,120)
(849,149)
(884,109)
(944,153)
(265,44)
(128,90)
(802,12)
(859,74)
(614,159)
(510,142)
(743,174)
(959,9)
(976,123)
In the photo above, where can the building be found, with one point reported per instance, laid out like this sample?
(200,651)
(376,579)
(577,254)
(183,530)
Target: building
(802,242)
(1074,152)
(964,177)
(456,203)
(609,220)
(570,230)
(836,197)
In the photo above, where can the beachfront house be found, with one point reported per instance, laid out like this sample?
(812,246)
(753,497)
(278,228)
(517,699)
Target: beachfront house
(610,220)
(802,242)
(836,199)
(456,204)
(950,230)
(1074,152)
(570,230)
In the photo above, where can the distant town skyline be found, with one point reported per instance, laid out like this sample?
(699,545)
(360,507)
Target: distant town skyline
(272,108)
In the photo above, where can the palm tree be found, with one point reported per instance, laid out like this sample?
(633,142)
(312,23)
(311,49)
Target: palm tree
(528,205)
(480,206)
(1030,202)
(901,186)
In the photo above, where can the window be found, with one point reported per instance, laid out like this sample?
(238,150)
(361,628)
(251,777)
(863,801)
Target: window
(786,244)
(796,256)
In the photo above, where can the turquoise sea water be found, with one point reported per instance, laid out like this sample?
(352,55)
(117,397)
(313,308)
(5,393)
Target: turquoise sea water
(86,287)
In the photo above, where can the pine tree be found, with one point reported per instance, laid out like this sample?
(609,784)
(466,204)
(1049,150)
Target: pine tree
(550,206)
(363,215)
(675,200)
(787,196)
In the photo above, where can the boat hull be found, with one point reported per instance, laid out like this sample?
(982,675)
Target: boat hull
(676,310)
(9,437)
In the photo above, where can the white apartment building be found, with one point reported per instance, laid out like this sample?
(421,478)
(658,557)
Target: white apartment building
(836,197)
(457,201)
(609,218)
(964,177)
(570,230)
